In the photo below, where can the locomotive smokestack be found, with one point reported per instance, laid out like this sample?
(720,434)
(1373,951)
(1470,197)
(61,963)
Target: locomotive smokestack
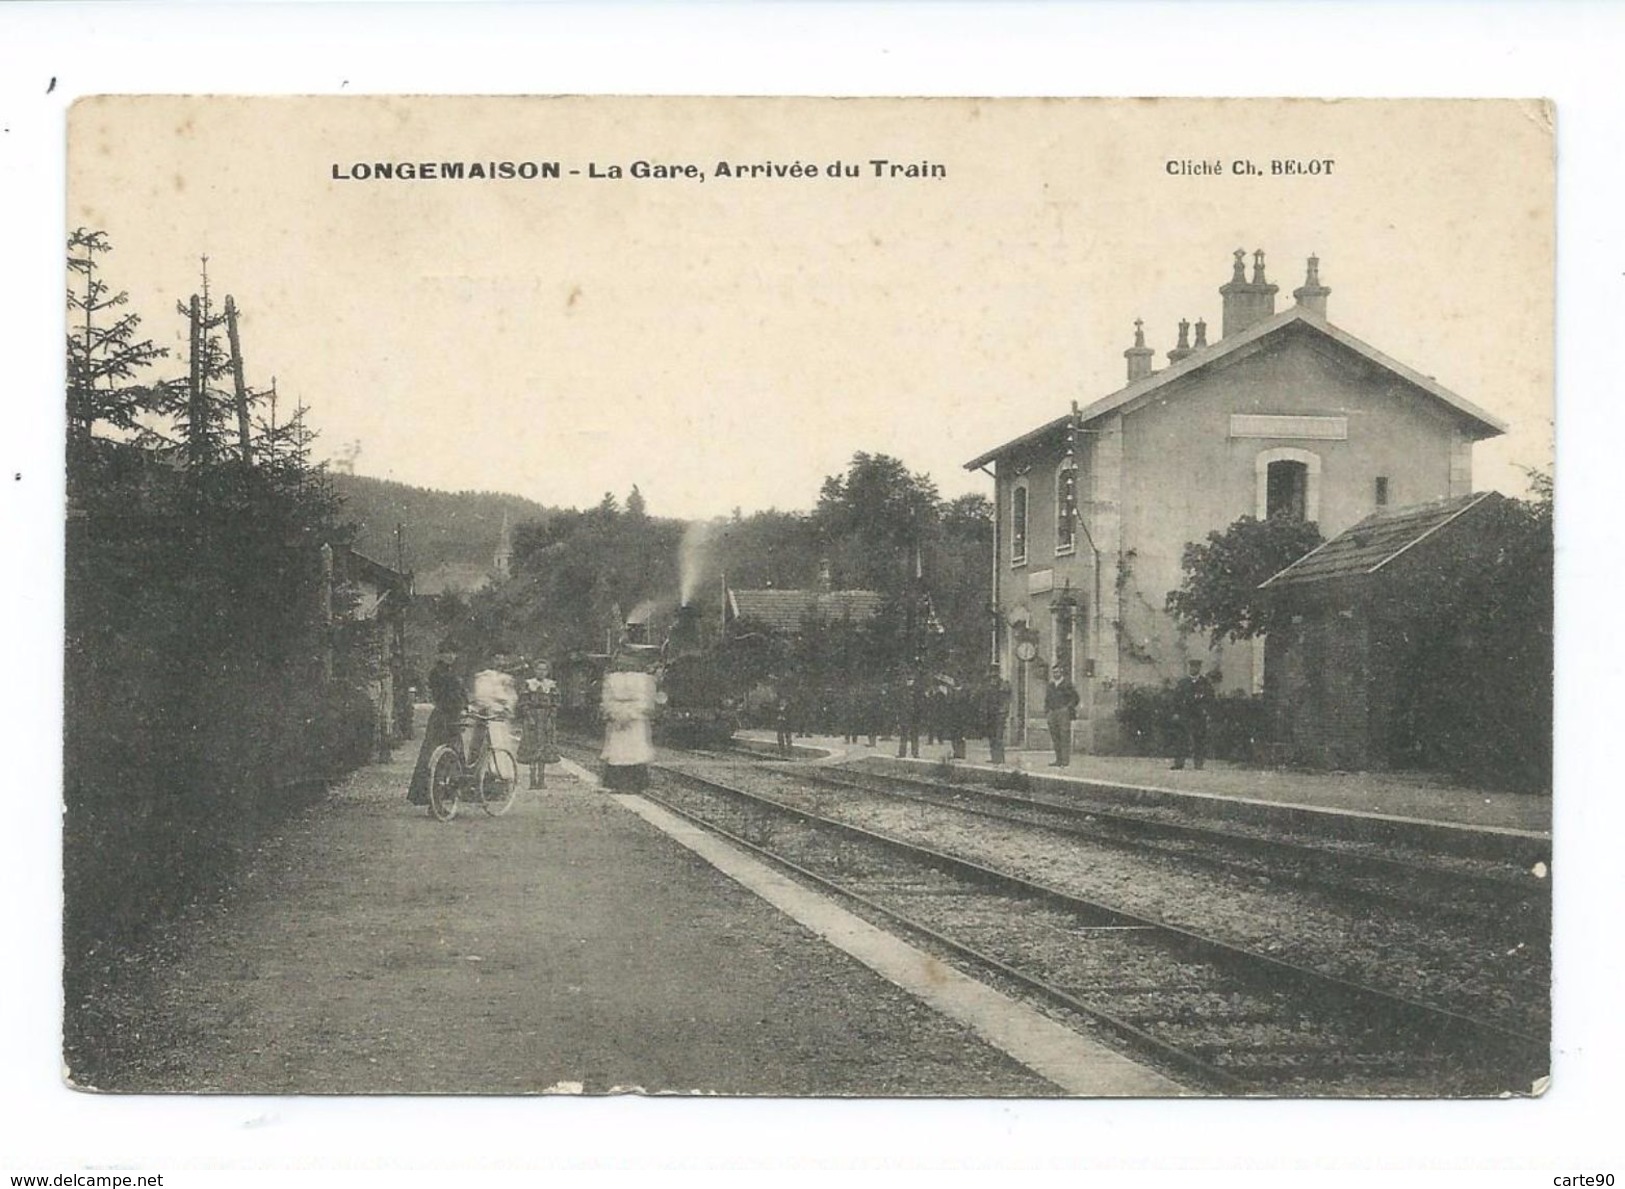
(685,629)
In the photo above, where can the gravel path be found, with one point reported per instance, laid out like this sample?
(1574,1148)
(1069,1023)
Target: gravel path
(370,949)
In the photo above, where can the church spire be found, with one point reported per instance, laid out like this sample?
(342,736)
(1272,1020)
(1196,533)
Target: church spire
(501,564)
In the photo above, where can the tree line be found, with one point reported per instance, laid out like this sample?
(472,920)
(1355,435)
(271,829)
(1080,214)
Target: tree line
(197,698)
(877,526)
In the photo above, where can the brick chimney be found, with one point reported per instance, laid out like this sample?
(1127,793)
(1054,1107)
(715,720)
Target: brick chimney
(1139,355)
(826,579)
(1311,295)
(1246,302)
(1184,347)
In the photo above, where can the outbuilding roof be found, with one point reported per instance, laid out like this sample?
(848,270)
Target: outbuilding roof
(789,610)
(1375,541)
(1481,423)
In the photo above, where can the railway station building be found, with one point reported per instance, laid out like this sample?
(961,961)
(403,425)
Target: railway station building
(1284,412)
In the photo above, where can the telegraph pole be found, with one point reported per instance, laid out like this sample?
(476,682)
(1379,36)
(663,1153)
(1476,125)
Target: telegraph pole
(241,389)
(196,427)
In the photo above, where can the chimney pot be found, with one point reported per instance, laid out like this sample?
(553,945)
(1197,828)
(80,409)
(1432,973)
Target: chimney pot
(1184,347)
(1311,295)
(1246,302)
(1139,355)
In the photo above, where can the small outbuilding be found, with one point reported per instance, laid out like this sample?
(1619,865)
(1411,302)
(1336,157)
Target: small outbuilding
(1351,663)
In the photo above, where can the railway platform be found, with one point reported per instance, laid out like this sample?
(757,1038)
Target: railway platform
(1354,804)
(921,1026)
(581,943)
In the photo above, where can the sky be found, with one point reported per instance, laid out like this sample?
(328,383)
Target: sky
(727,342)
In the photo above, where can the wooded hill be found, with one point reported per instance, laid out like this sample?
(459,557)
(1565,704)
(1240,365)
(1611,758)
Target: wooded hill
(450,536)
(876,527)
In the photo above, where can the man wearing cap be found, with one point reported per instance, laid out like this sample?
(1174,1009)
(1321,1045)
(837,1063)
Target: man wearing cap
(1060,707)
(1193,702)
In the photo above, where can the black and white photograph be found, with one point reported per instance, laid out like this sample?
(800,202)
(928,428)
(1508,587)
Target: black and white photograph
(1014,592)
(804,597)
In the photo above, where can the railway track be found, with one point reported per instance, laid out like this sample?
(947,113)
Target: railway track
(1225,1018)
(1514,901)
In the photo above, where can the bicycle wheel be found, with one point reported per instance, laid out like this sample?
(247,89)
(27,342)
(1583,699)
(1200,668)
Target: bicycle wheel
(445,780)
(499,781)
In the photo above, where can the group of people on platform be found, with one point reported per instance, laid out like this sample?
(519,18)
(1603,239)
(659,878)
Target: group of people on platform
(1191,706)
(509,694)
(946,711)
(938,707)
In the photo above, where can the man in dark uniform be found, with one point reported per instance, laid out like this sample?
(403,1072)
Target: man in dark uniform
(876,709)
(996,694)
(958,712)
(1060,708)
(782,720)
(1193,703)
(909,709)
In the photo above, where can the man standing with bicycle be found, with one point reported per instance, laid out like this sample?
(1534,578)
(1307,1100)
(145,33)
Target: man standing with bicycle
(449,696)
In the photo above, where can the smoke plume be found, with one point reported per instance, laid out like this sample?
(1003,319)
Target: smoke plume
(694,559)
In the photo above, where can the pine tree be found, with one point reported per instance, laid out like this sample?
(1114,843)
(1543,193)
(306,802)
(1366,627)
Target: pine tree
(104,354)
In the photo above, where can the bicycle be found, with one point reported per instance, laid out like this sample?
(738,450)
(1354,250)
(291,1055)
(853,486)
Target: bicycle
(490,777)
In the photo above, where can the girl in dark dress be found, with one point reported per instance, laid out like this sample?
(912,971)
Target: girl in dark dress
(538,743)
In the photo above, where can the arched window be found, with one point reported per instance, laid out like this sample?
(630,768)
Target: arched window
(1288,483)
(1018,525)
(1286,489)
(1066,508)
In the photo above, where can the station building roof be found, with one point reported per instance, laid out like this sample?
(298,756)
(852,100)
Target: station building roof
(1480,424)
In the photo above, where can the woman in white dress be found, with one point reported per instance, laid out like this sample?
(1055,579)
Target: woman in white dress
(627,702)
(495,697)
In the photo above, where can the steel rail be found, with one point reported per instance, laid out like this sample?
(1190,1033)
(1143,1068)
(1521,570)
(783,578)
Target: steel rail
(1414,1018)
(1355,865)
(1032,982)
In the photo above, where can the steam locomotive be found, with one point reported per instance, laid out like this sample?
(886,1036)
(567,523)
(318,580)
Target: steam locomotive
(696,705)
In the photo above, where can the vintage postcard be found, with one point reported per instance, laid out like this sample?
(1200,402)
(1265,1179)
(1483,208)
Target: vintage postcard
(991,598)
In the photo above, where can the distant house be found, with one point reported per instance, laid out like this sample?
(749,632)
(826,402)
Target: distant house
(1284,413)
(367,604)
(1343,681)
